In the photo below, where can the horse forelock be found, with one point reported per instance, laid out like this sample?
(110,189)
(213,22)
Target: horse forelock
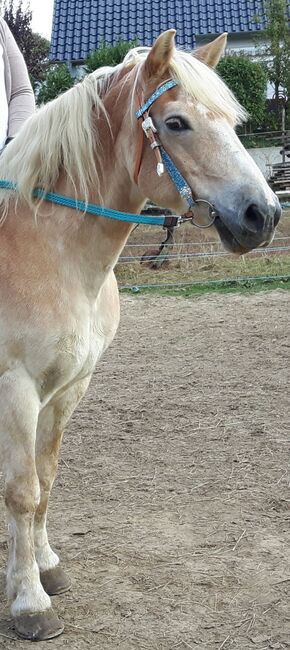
(200,82)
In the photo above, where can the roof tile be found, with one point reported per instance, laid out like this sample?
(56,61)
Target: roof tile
(80,26)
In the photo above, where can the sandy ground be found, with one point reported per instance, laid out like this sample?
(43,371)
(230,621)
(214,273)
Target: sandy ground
(171,508)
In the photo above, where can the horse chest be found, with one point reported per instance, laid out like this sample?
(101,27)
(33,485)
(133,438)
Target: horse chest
(75,358)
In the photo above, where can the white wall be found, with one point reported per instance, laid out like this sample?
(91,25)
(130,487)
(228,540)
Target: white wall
(266,156)
(249,42)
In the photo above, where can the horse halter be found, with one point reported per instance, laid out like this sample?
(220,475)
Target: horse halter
(164,160)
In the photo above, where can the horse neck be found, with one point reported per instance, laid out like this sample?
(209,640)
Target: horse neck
(91,245)
(99,241)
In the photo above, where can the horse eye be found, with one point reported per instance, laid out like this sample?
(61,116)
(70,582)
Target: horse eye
(177,124)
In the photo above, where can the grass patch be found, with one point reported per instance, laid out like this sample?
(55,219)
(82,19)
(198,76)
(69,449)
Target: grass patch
(192,271)
(236,285)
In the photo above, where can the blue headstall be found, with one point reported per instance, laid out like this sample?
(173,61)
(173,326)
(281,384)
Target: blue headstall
(163,159)
(149,129)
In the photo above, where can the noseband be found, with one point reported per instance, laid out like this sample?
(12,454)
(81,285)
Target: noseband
(163,161)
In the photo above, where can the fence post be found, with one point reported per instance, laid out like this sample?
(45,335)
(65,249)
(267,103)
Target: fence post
(283,133)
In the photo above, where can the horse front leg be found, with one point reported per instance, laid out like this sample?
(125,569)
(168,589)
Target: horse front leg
(49,437)
(51,423)
(19,407)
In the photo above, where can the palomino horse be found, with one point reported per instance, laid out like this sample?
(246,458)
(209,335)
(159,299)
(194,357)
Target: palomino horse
(59,307)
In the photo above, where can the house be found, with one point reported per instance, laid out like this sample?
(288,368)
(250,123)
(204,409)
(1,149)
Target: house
(80,26)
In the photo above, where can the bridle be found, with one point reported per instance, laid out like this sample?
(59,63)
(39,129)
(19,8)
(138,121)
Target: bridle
(163,162)
(163,159)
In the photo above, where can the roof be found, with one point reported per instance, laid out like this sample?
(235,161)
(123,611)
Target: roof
(80,26)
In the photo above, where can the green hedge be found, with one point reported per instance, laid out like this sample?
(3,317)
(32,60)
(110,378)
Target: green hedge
(57,80)
(248,81)
(108,55)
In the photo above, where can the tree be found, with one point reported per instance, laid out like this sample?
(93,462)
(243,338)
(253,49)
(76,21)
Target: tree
(248,81)
(277,50)
(33,46)
(58,79)
(108,55)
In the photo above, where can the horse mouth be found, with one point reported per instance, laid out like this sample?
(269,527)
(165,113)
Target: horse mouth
(228,240)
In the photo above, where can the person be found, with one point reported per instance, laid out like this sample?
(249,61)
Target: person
(16,95)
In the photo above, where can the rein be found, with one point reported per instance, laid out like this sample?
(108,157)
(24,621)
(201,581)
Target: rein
(163,161)
(98,210)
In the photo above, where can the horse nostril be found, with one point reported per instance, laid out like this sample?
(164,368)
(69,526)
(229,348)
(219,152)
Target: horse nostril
(254,219)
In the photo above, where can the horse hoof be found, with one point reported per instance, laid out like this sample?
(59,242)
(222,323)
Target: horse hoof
(55,581)
(40,626)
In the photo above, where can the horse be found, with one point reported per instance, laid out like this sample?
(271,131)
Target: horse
(59,307)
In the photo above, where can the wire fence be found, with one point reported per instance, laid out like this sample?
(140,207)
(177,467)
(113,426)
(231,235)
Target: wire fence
(175,255)
(188,256)
(244,280)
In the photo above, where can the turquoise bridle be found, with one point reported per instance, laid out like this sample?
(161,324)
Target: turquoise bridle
(166,162)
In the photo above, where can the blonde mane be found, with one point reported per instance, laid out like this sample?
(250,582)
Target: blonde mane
(60,135)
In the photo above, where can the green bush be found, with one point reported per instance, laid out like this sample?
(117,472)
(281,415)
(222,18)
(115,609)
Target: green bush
(108,55)
(248,81)
(57,80)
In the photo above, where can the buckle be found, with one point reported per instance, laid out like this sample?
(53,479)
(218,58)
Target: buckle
(147,124)
(172,221)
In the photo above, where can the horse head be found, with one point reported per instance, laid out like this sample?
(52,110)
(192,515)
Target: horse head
(195,123)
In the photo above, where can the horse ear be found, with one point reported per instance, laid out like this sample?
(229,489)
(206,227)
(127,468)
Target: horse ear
(212,52)
(160,55)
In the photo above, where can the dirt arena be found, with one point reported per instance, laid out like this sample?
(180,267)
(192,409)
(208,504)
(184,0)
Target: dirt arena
(171,510)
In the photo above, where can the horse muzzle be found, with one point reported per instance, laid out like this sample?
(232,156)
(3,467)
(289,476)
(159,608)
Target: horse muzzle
(252,227)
